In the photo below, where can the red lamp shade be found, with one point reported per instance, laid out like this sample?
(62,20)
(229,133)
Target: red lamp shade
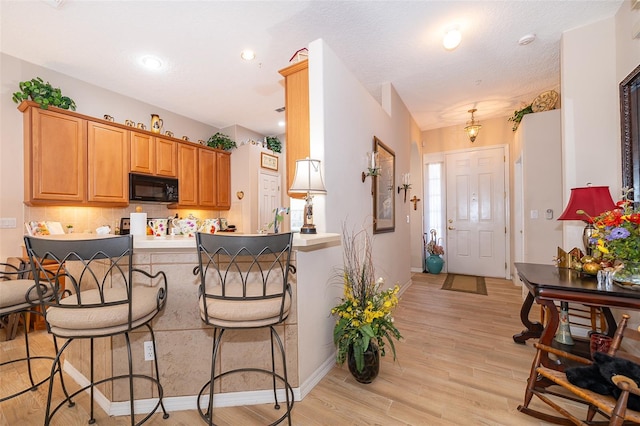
(593,200)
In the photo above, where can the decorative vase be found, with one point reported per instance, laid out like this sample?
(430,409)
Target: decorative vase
(628,275)
(371,364)
(434,264)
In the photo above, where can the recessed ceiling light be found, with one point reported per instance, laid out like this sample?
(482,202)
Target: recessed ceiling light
(452,38)
(524,40)
(151,62)
(281,123)
(248,55)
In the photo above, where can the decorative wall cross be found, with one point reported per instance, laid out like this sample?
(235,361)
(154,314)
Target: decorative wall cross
(415,200)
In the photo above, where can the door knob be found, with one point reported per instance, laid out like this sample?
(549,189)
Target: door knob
(451,228)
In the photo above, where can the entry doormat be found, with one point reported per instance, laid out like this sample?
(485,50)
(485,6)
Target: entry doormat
(465,283)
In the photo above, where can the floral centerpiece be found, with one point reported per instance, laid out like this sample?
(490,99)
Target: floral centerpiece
(617,239)
(617,232)
(364,315)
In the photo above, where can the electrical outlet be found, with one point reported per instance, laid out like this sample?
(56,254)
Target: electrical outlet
(148,351)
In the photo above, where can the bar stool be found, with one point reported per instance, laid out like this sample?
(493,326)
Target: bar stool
(104,301)
(18,300)
(244,285)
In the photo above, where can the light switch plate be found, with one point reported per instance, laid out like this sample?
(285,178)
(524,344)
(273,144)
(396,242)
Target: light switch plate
(8,222)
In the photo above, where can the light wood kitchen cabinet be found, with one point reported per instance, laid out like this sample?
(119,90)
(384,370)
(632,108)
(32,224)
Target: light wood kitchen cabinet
(207,178)
(166,157)
(153,155)
(296,88)
(54,156)
(223,175)
(107,163)
(187,174)
(72,159)
(204,177)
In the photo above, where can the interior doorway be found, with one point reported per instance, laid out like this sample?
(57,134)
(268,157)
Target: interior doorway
(268,197)
(472,210)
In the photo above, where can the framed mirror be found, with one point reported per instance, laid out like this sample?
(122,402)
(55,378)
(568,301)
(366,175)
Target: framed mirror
(384,206)
(630,130)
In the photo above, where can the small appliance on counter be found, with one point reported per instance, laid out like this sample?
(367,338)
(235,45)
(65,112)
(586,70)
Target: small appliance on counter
(125,226)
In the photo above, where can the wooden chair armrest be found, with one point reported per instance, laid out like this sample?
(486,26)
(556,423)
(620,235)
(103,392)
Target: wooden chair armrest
(562,353)
(625,383)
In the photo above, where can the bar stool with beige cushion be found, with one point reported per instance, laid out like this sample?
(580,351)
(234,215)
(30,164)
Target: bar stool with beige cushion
(243,286)
(106,299)
(18,300)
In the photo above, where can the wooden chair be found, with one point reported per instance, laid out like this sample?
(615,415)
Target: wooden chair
(543,380)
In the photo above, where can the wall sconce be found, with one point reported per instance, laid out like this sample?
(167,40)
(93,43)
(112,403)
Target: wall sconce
(372,166)
(406,185)
(473,127)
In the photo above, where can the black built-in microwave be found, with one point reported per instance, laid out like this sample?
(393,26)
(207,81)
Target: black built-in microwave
(152,189)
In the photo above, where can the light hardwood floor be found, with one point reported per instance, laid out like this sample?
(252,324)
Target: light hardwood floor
(457,365)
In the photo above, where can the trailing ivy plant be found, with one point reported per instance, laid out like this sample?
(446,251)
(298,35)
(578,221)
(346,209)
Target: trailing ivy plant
(43,94)
(221,141)
(517,116)
(274,144)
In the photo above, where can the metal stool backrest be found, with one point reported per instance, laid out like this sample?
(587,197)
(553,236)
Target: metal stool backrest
(241,268)
(94,264)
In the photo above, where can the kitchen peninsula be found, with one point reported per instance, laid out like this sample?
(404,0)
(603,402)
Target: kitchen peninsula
(184,342)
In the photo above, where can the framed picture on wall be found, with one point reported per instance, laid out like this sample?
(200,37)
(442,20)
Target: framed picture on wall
(630,121)
(268,161)
(384,206)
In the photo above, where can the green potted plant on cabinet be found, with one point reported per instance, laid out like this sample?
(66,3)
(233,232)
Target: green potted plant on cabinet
(221,141)
(274,144)
(43,94)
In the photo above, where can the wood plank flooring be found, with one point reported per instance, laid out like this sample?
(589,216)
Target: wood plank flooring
(457,365)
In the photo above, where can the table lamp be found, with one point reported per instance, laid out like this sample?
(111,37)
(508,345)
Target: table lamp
(591,201)
(308,180)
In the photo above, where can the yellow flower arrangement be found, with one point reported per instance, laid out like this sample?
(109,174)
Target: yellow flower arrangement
(365,312)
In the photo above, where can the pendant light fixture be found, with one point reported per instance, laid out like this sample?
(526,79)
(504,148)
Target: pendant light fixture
(473,127)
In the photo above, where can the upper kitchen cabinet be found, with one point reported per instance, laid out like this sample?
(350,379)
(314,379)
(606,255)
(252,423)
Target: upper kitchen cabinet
(204,177)
(223,174)
(54,156)
(108,164)
(153,155)
(296,79)
(187,174)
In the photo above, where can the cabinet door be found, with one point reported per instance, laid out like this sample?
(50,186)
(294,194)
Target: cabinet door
(166,158)
(143,153)
(223,174)
(207,179)
(54,156)
(108,163)
(187,174)
(296,86)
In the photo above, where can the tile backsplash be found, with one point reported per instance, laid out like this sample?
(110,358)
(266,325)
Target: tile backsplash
(87,219)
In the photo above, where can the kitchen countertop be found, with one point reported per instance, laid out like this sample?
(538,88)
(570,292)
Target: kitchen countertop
(302,242)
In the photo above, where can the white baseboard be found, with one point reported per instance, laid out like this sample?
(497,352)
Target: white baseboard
(181,403)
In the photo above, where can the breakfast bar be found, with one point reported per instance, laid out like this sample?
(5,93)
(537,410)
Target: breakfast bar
(184,342)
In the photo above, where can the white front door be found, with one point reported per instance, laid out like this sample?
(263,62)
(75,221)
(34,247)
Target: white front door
(269,198)
(476,224)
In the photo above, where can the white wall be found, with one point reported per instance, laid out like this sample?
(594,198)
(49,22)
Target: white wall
(344,118)
(591,106)
(539,138)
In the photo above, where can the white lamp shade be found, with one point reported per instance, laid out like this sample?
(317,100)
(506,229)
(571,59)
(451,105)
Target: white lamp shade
(308,178)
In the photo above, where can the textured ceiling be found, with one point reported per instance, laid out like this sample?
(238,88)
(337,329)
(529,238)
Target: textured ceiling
(379,41)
